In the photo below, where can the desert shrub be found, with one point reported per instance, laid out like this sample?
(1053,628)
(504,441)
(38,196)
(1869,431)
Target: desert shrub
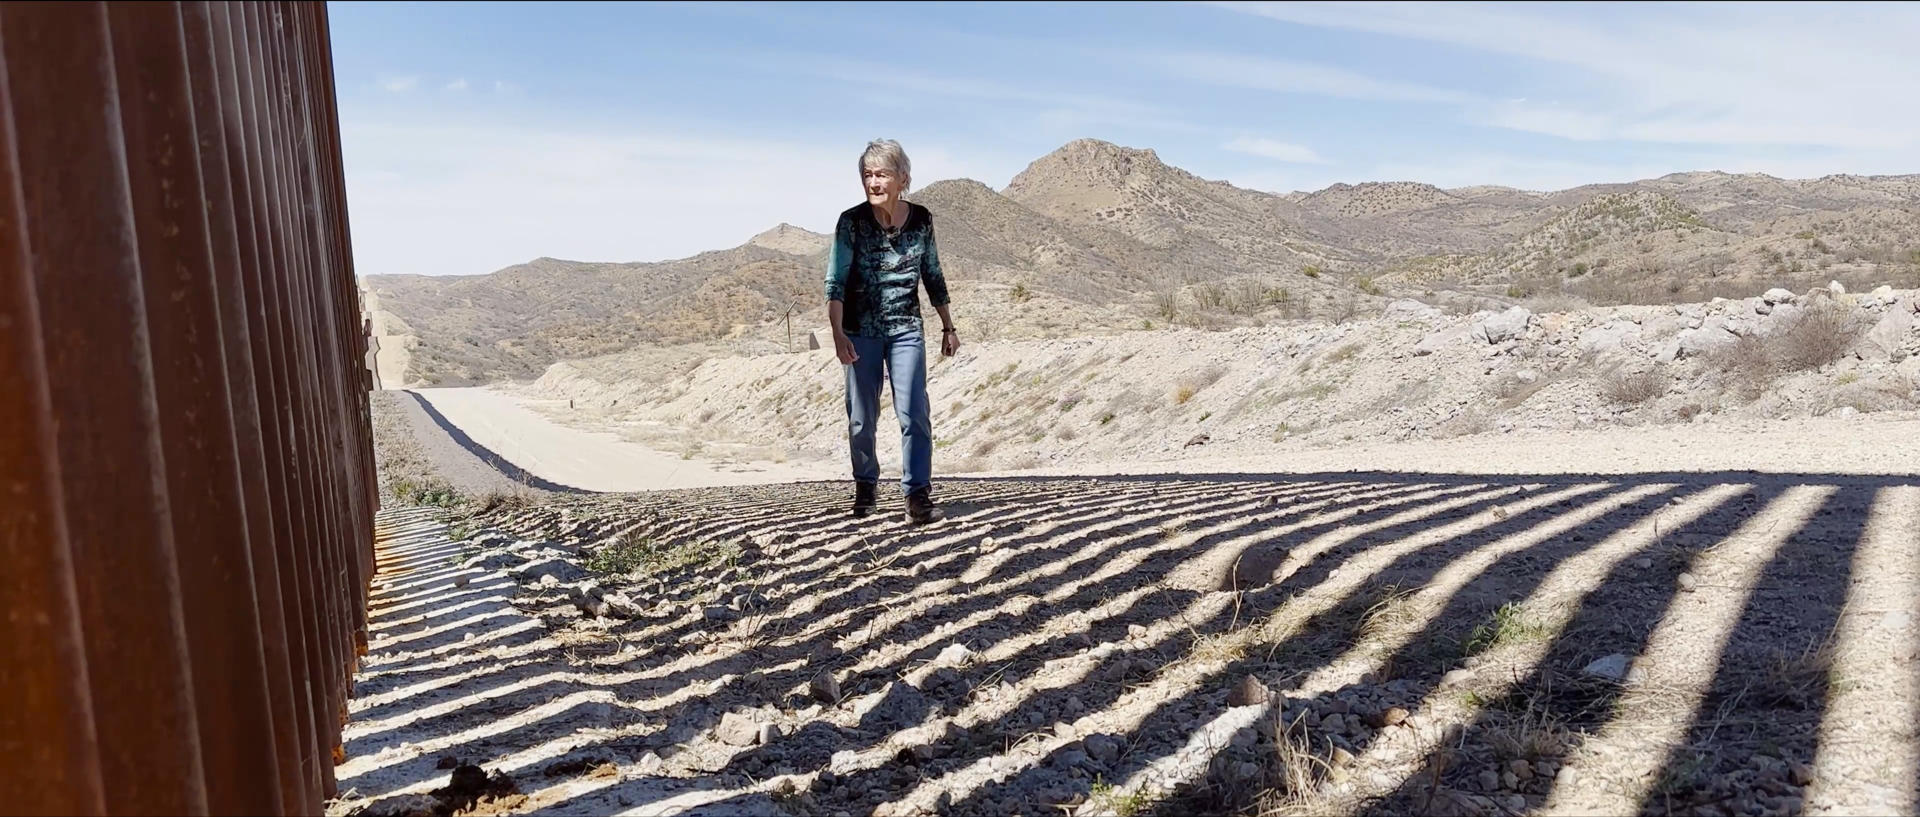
(1311,271)
(1209,296)
(1247,297)
(1818,336)
(1633,388)
(1019,293)
(1166,304)
(1366,284)
(1344,309)
(627,555)
(1747,365)
(427,490)
(514,500)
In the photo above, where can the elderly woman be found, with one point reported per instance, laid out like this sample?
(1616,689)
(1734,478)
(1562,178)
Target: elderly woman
(883,252)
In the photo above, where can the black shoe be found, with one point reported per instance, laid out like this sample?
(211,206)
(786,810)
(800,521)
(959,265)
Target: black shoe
(863,498)
(920,507)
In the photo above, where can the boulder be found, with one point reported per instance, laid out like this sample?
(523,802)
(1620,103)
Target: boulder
(1608,338)
(1783,316)
(1887,336)
(1836,288)
(1714,333)
(1777,296)
(1503,327)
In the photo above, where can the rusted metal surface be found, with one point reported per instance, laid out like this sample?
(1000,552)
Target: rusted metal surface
(186,476)
(47,736)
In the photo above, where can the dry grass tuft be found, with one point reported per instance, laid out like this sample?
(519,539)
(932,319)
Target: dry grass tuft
(1633,388)
(1394,608)
(1508,624)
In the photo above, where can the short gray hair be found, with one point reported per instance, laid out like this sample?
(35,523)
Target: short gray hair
(888,154)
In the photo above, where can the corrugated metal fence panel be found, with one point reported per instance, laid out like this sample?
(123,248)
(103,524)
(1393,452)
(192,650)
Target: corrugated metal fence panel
(186,471)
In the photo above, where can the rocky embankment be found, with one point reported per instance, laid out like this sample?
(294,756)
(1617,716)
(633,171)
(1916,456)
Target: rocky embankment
(1411,373)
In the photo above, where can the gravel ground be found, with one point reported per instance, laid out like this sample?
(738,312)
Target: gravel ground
(1717,642)
(408,440)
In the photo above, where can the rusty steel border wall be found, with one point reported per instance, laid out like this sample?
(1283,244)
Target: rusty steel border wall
(186,466)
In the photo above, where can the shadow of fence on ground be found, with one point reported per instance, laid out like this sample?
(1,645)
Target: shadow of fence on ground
(1434,632)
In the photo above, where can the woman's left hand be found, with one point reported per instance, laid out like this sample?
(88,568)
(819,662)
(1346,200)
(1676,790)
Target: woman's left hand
(949,344)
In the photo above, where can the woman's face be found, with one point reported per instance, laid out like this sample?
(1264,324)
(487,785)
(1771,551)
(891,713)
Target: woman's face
(882,185)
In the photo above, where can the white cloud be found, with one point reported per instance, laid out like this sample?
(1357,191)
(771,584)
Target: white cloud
(1288,76)
(399,85)
(470,198)
(1834,76)
(1276,150)
(458,84)
(501,86)
(1063,108)
(1525,173)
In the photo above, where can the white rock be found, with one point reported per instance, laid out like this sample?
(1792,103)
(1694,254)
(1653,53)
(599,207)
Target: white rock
(1439,339)
(1613,667)
(1884,293)
(1836,288)
(953,656)
(737,730)
(1777,295)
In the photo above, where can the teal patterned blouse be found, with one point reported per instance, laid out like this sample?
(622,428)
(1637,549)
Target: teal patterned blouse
(877,274)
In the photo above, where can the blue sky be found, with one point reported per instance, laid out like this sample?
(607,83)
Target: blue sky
(480,135)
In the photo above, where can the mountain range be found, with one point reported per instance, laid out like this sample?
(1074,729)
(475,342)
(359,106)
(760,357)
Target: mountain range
(1096,237)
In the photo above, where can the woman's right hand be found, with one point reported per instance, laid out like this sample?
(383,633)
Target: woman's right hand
(843,348)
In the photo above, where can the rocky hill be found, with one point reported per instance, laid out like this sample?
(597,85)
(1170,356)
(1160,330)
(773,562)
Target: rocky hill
(1096,238)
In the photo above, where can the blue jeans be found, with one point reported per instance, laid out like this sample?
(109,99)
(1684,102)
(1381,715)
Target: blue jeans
(904,357)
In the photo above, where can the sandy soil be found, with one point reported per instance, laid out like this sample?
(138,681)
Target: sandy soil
(1631,620)
(590,460)
(1861,444)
